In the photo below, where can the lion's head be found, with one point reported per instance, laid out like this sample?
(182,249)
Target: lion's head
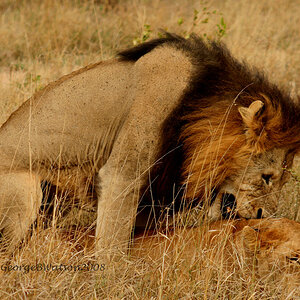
(240,135)
(271,241)
(263,243)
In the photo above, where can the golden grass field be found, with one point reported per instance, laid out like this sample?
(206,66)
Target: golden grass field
(42,40)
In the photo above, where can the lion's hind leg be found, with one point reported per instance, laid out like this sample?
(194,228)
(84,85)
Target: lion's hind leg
(20,199)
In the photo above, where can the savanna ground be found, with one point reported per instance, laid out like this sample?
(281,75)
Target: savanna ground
(43,40)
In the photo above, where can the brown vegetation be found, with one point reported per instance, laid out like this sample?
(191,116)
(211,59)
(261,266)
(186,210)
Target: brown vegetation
(42,40)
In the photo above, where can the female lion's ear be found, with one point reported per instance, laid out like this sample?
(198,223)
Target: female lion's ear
(250,238)
(248,114)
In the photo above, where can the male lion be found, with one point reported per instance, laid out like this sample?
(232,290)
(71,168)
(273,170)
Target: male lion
(171,120)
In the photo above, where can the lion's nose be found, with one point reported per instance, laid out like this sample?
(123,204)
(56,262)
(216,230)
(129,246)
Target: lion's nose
(259,214)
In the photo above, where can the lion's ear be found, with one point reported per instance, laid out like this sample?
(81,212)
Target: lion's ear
(249,237)
(249,113)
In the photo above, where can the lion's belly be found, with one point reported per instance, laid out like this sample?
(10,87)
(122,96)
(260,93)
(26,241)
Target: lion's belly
(72,123)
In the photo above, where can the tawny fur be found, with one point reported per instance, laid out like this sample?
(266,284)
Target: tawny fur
(261,243)
(170,120)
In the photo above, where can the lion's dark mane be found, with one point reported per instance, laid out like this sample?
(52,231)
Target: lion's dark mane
(217,76)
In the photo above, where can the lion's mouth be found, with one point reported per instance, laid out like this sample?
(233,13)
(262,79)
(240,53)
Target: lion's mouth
(229,208)
(228,205)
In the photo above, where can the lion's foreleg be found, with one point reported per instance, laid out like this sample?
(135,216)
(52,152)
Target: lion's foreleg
(157,84)
(118,193)
(120,181)
(116,213)
(20,199)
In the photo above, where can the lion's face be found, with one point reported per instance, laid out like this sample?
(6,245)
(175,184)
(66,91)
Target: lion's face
(254,178)
(272,241)
(253,192)
(264,243)
(237,163)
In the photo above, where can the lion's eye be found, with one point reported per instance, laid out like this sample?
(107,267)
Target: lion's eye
(267,178)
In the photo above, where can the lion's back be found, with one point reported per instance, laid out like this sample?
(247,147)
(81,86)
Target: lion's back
(74,114)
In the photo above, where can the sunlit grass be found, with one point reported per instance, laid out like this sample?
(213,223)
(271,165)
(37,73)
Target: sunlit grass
(42,40)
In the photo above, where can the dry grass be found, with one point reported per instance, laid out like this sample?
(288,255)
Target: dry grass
(42,40)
